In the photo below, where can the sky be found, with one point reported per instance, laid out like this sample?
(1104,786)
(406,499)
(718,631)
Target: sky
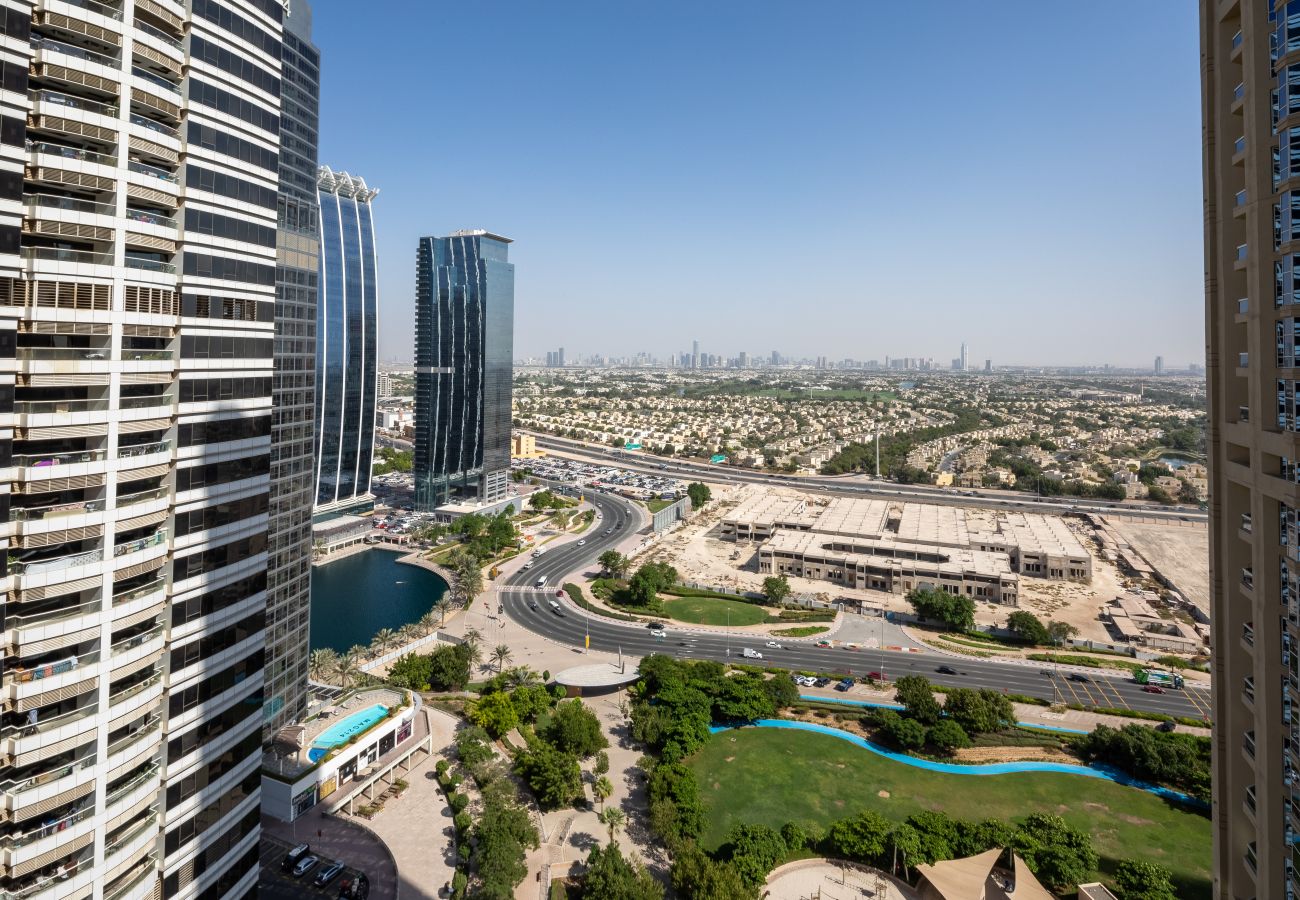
(847,178)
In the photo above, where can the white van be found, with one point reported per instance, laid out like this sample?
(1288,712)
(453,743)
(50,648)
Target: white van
(749,653)
(541,582)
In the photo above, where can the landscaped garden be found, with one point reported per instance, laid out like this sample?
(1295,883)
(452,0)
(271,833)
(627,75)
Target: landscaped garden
(712,611)
(771,777)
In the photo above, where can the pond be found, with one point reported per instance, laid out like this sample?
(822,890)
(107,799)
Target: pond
(353,597)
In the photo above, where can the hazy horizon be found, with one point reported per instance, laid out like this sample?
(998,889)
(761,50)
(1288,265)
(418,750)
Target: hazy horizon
(862,182)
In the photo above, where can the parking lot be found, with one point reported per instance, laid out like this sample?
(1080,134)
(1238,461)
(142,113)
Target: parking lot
(611,477)
(276,884)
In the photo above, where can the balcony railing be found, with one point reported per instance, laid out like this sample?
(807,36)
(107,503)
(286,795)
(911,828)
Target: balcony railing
(123,789)
(60,254)
(1243,306)
(19,567)
(72,457)
(143,449)
(1239,145)
(1246,523)
(1248,633)
(20,674)
(38,513)
(41,42)
(1241,252)
(1248,743)
(14,841)
(142,497)
(1248,688)
(50,201)
(144,402)
(1248,578)
(1236,40)
(149,218)
(1239,91)
(138,640)
(145,122)
(64,354)
(54,97)
(154,79)
(149,727)
(141,591)
(70,153)
(139,688)
(1250,797)
(32,620)
(152,171)
(26,784)
(1243,413)
(1243,360)
(151,265)
(44,726)
(153,540)
(1241,198)
(107,12)
(155,33)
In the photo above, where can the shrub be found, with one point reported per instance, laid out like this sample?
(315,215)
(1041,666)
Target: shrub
(457,802)
(462,822)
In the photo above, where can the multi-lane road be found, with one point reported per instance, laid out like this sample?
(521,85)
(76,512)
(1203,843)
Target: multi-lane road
(856,486)
(531,607)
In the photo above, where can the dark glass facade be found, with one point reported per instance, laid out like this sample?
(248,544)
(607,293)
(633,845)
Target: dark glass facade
(293,432)
(464,347)
(347,346)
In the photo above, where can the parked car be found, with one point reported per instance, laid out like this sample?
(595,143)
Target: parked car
(291,858)
(822,682)
(305,865)
(328,874)
(844,684)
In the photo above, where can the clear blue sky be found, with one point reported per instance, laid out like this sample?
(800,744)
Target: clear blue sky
(847,177)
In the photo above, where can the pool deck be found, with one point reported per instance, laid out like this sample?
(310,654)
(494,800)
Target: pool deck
(314,728)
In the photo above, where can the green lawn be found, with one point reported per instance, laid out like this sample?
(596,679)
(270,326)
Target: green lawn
(801,631)
(711,611)
(657,504)
(772,776)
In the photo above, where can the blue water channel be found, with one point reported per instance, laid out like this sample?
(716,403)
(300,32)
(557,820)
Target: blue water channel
(1094,771)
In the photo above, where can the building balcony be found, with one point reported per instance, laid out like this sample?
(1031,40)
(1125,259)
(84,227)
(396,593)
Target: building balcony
(1239,151)
(1248,578)
(157,406)
(1248,745)
(129,699)
(58,570)
(157,47)
(136,883)
(140,597)
(141,833)
(36,736)
(61,784)
(1238,98)
(1248,690)
(1246,524)
(1243,309)
(26,629)
(71,64)
(1248,634)
(170,16)
(35,467)
(22,683)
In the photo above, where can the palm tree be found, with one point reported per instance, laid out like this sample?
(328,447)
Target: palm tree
(473,637)
(348,669)
(429,621)
(356,651)
(602,789)
(500,656)
(323,662)
(613,818)
(408,633)
(522,675)
(383,639)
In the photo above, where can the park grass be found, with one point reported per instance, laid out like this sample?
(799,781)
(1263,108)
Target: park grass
(801,631)
(712,611)
(657,504)
(771,776)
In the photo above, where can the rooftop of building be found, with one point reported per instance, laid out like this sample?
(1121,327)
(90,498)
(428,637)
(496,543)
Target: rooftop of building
(289,751)
(765,510)
(953,561)
(481,232)
(926,523)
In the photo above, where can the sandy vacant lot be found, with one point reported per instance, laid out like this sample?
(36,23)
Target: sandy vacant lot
(1180,552)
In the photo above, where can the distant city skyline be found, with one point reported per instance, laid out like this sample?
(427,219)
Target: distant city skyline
(797,190)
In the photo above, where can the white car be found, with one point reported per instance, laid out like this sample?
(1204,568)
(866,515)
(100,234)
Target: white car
(582,543)
(750,653)
(773,645)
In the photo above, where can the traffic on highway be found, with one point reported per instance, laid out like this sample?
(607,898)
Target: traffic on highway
(534,598)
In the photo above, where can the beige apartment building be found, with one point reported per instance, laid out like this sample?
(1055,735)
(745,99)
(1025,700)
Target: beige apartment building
(1251,159)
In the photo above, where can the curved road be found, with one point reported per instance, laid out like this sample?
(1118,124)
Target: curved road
(834,484)
(531,607)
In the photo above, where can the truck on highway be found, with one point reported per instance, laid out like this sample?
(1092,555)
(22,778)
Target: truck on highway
(1158,677)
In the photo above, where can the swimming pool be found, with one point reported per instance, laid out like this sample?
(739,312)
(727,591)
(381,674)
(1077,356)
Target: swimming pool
(341,731)
(988,769)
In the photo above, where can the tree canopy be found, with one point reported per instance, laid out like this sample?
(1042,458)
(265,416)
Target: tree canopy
(956,612)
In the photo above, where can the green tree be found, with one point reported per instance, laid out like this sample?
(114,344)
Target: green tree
(1059,854)
(1060,632)
(1138,880)
(614,819)
(503,834)
(907,734)
(614,563)
(553,775)
(610,876)
(754,851)
(697,877)
(956,612)
(947,735)
(917,697)
(501,655)
(575,729)
(699,494)
(601,765)
(383,641)
(495,713)
(862,838)
(602,788)
(776,588)
(979,712)
(1028,627)
(530,701)
(466,576)
(322,663)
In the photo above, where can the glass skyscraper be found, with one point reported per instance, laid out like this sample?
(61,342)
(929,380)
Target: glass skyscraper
(346,346)
(293,428)
(464,350)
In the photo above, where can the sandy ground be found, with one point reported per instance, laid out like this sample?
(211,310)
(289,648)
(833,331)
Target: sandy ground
(701,555)
(1181,552)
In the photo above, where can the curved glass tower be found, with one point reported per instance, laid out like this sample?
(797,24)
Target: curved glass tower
(346,320)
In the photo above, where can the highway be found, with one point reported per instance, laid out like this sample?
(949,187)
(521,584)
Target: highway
(852,485)
(531,607)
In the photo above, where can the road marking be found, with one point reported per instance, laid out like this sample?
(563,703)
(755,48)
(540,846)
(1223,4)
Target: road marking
(1109,685)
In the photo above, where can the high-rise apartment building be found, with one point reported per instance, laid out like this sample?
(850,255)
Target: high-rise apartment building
(695,354)
(346,343)
(464,351)
(139,172)
(293,427)
(383,385)
(1250,68)
(965,358)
